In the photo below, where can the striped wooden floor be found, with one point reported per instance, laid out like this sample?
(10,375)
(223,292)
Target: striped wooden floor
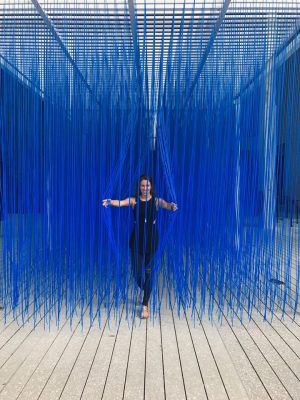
(166,358)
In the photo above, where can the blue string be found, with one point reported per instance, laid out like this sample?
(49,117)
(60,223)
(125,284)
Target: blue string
(229,160)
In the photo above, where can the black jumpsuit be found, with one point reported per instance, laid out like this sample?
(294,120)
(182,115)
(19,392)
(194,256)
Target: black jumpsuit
(143,244)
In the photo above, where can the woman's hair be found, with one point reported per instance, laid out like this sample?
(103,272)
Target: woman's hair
(137,187)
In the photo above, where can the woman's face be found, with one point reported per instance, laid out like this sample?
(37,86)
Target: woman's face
(145,187)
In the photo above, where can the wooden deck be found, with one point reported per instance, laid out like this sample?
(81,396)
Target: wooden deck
(169,358)
(166,358)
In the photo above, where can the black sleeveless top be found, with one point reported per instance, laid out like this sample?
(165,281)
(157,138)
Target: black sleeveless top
(144,237)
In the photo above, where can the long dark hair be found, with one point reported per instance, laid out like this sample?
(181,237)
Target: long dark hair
(137,187)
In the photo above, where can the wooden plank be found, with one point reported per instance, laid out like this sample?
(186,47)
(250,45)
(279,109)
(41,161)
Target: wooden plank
(21,376)
(174,383)
(231,379)
(224,354)
(192,374)
(154,379)
(135,376)
(57,382)
(14,326)
(284,342)
(115,379)
(17,359)
(42,374)
(244,368)
(211,375)
(292,325)
(284,377)
(75,382)
(59,374)
(284,325)
(286,383)
(15,338)
(10,319)
(97,374)
(265,371)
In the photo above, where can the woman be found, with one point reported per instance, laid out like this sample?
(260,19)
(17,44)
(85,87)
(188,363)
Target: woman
(144,238)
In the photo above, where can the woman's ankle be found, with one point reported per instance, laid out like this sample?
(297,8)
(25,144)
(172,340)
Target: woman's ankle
(145,312)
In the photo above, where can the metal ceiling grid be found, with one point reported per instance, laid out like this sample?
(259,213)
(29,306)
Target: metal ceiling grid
(249,33)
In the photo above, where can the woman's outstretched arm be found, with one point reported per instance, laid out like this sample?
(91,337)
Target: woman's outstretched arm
(167,206)
(130,201)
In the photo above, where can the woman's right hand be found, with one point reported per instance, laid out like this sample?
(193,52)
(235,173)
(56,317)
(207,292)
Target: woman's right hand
(106,203)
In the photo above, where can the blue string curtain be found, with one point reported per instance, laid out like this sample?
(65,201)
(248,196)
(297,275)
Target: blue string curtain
(211,112)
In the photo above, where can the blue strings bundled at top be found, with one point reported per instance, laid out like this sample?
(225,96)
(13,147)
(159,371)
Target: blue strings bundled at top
(211,114)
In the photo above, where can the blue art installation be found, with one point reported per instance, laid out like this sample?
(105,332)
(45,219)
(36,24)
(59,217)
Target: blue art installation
(85,112)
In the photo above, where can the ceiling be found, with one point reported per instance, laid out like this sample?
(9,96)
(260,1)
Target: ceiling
(195,40)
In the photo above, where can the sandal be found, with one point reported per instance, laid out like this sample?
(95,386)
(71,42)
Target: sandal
(145,313)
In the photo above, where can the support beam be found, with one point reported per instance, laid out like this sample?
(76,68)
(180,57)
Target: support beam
(281,55)
(237,176)
(207,51)
(136,47)
(22,78)
(270,143)
(61,44)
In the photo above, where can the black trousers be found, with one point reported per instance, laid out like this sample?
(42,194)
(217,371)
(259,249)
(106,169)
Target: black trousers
(142,265)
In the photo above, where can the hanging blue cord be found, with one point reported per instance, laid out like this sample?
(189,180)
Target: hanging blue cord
(229,160)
